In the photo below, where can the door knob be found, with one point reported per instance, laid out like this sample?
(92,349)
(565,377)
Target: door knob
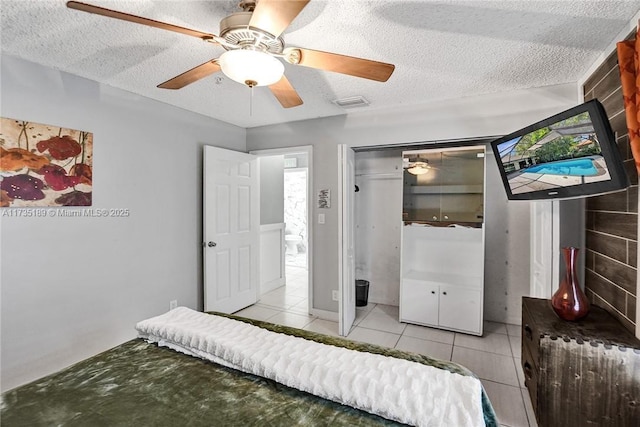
(211,244)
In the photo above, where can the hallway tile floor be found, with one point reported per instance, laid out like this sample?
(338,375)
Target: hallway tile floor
(494,357)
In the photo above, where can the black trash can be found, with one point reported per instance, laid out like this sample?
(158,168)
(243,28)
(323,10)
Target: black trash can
(362,292)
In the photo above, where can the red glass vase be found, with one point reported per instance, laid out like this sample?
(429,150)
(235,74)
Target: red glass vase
(569,302)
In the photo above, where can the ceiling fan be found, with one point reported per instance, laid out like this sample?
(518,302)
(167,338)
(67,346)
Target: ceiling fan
(253,44)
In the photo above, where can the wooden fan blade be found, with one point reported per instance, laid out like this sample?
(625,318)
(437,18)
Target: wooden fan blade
(137,19)
(274,16)
(285,93)
(194,74)
(358,67)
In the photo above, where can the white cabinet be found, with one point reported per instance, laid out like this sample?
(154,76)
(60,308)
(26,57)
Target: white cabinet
(421,301)
(442,282)
(441,305)
(460,309)
(442,261)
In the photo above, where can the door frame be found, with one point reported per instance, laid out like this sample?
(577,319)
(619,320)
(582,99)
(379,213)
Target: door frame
(346,241)
(543,262)
(308,150)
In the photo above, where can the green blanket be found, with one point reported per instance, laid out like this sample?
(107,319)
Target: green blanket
(140,384)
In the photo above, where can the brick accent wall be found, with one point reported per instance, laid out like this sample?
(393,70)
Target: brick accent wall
(612,219)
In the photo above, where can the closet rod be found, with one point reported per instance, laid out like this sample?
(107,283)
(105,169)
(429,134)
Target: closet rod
(381,175)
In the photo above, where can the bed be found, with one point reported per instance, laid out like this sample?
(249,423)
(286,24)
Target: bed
(146,382)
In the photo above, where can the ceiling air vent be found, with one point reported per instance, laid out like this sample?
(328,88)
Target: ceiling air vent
(352,102)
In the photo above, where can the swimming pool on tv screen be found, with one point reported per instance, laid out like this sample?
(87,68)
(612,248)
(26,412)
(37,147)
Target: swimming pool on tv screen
(571,167)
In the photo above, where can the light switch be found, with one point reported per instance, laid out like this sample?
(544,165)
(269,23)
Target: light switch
(320,218)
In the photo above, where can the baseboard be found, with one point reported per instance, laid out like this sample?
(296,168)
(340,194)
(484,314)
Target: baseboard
(325,314)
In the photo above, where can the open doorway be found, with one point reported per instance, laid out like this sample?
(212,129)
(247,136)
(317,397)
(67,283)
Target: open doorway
(295,215)
(296,227)
(285,290)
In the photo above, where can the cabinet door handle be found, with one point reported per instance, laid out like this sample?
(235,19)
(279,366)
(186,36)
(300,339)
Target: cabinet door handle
(433,292)
(527,370)
(528,332)
(444,293)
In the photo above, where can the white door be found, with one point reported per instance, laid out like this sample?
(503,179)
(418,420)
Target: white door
(231,228)
(541,249)
(346,252)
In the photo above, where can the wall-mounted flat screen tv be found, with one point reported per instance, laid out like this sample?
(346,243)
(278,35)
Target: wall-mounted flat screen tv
(572,154)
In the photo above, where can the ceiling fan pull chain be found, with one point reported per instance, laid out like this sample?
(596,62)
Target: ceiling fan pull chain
(251,102)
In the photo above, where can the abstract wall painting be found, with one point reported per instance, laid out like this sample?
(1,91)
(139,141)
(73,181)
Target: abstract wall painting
(44,165)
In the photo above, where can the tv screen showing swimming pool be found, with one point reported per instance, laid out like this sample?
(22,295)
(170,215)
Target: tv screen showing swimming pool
(572,154)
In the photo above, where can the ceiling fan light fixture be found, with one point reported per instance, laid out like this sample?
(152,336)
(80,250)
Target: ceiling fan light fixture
(251,67)
(419,168)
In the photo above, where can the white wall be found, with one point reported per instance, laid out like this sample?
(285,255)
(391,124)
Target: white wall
(507,252)
(73,287)
(472,117)
(271,189)
(272,267)
(272,273)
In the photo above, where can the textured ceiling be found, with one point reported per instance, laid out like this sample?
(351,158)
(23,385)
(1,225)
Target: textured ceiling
(441,49)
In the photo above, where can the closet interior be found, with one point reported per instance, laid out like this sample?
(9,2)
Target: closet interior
(419,218)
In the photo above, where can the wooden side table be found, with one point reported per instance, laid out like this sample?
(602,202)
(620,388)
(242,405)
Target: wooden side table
(584,373)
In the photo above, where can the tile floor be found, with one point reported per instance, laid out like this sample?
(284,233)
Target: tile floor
(494,357)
